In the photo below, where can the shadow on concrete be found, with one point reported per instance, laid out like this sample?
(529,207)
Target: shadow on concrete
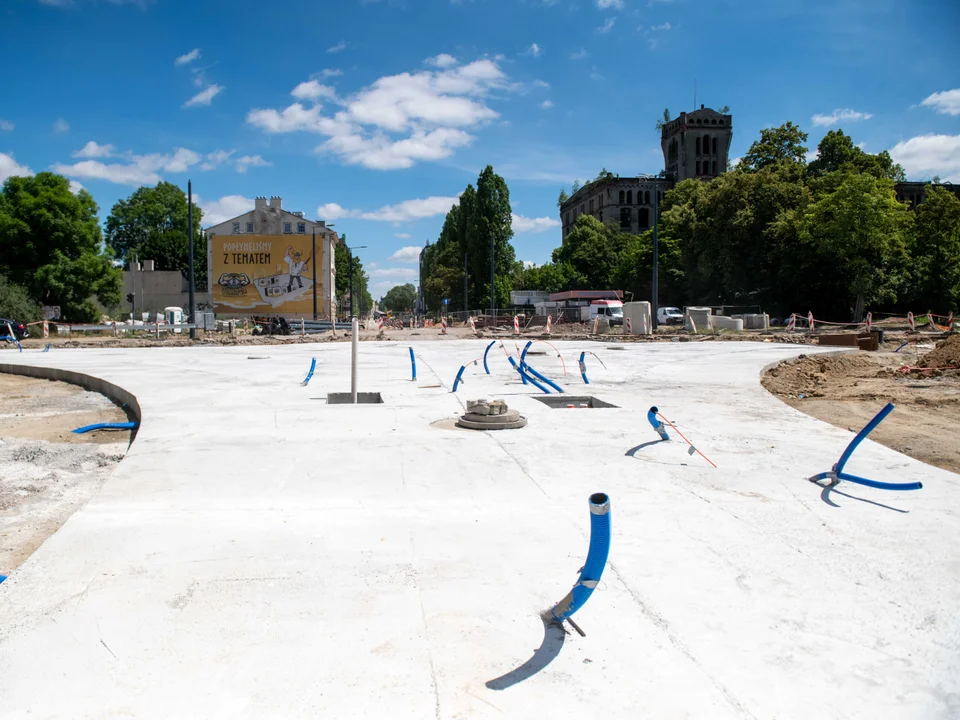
(825,496)
(553,637)
(632,452)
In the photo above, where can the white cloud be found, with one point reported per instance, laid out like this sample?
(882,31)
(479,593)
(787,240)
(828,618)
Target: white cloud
(401,212)
(839,115)
(93,150)
(138,170)
(11,168)
(218,211)
(930,155)
(534,225)
(330,72)
(342,45)
(443,60)
(408,254)
(528,264)
(312,90)
(403,236)
(6,125)
(428,110)
(204,97)
(660,28)
(249,161)
(541,84)
(607,25)
(188,58)
(216,158)
(579,54)
(615,4)
(61,126)
(546,104)
(534,50)
(945,103)
(394,272)
(75,187)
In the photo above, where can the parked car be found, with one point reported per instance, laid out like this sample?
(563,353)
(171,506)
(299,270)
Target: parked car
(669,316)
(610,309)
(19,329)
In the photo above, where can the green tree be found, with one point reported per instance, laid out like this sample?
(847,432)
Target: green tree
(837,153)
(400,298)
(152,223)
(361,281)
(663,120)
(936,251)
(781,143)
(51,245)
(563,197)
(16,303)
(591,249)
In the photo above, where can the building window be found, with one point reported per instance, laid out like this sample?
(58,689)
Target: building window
(714,146)
(600,201)
(567,221)
(647,197)
(236,228)
(621,197)
(591,206)
(286,227)
(249,227)
(625,219)
(301,228)
(713,122)
(714,167)
(583,207)
(643,218)
(706,144)
(721,122)
(629,197)
(698,167)
(698,146)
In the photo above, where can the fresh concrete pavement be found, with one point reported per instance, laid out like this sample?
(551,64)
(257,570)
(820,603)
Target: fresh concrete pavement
(259,553)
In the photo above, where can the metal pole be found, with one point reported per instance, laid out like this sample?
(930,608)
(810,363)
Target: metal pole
(352,293)
(655,289)
(133,277)
(314,256)
(193,298)
(493,286)
(466,301)
(355,328)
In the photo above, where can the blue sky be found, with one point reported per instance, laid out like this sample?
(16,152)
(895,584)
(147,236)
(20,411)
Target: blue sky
(375,114)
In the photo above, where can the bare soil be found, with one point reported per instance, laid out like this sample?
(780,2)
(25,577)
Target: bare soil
(848,390)
(46,471)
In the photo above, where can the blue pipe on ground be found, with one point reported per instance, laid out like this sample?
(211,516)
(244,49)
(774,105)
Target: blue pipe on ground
(2,578)
(861,436)
(47,348)
(655,422)
(523,355)
(413,365)
(313,366)
(879,485)
(596,559)
(459,377)
(514,364)
(548,381)
(105,426)
(533,382)
(583,368)
(485,366)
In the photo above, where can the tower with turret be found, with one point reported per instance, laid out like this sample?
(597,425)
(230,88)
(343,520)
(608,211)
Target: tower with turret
(696,144)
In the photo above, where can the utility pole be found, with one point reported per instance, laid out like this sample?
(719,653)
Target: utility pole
(655,284)
(493,286)
(466,302)
(314,257)
(351,282)
(193,298)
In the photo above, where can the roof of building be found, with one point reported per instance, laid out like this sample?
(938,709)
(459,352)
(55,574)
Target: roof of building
(587,295)
(596,185)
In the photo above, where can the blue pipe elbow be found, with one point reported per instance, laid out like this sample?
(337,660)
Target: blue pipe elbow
(548,381)
(597,555)
(879,485)
(413,365)
(485,366)
(583,368)
(459,377)
(313,366)
(861,436)
(523,355)
(655,422)
(519,370)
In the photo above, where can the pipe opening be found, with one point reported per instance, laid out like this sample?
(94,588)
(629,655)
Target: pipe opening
(599,498)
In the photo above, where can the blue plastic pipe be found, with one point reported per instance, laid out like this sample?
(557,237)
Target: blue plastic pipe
(105,426)
(459,377)
(413,365)
(47,348)
(596,559)
(879,485)
(655,422)
(861,436)
(523,375)
(523,355)
(13,340)
(2,578)
(548,381)
(313,366)
(583,368)
(485,366)
(526,378)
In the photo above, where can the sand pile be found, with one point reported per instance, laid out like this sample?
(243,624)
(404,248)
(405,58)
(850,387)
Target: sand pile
(946,354)
(807,375)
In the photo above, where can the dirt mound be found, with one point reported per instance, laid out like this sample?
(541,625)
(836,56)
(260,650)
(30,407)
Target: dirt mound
(807,375)
(946,354)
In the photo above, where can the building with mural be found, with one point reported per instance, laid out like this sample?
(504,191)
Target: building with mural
(271,261)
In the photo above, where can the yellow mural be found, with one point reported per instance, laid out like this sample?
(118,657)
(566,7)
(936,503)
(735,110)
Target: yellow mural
(263,274)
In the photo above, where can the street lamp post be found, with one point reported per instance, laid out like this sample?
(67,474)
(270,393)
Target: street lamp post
(655,280)
(353,266)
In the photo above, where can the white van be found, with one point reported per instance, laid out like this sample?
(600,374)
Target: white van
(610,309)
(669,316)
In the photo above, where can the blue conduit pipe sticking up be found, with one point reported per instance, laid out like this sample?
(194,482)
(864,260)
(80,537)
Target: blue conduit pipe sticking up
(485,366)
(313,366)
(548,381)
(523,355)
(655,422)
(583,368)
(413,365)
(2,578)
(47,348)
(523,375)
(596,559)
(13,340)
(837,473)
(459,377)
(105,426)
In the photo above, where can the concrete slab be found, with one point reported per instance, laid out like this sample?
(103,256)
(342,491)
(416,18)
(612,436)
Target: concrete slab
(258,553)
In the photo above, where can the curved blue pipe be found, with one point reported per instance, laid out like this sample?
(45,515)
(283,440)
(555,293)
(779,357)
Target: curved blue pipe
(523,375)
(902,346)
(459,377)
(13,340)
(861,436)
(313,366)
(47,348)
(413,365)
(548,381)
(655,422)
(596,559)
(485,366)
(2,578)
(878,484)
(105,426)
(523,355)
(583,368)
(533,382)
